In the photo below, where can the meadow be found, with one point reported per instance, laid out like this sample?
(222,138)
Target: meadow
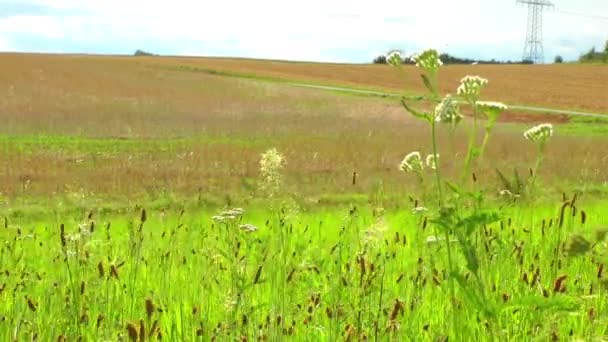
(123,179)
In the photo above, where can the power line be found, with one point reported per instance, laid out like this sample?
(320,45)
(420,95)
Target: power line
(590,16)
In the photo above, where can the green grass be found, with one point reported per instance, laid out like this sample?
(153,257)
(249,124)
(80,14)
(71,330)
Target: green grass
(322,275)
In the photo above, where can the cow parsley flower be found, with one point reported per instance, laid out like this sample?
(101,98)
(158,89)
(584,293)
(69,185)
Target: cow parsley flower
(470,87)
(412,163)
(428,60)
(540,133)
(394,58)
(248,228)
(448,111)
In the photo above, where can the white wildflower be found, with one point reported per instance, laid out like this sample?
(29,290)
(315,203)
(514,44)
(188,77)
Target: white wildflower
(412,163)
(447,111)
(491,109)
(375,233)
(394,58)
(505,193)
(248,228)
(540,133)
(435,239)
(470,87)
(419,210)
(218,218)
(84,229)
(271,164)
(428,60)
(491,105)
(431,161)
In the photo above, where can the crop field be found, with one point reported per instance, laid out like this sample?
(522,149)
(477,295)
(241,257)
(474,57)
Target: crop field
(182,199)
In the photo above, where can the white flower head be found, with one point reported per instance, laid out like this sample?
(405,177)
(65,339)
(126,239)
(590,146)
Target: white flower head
(248,228)
(448,111)
(394,58)
(228,215)
(428,60)
(419,210)
(375,233)
(470,86)
(271,164)
(540,133)
(431,161)
(505,193)
(432,239)
(412,163)
(491,109)
(492,105)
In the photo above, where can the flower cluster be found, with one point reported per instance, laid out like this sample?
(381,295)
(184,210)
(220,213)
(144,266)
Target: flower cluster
(470,86)
(248,228)
(540,133)
(428,60)
(413,162)
(271,164)
(447,111)
(394,58)
(229,215)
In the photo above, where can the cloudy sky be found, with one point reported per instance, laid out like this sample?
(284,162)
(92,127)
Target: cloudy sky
(315,30)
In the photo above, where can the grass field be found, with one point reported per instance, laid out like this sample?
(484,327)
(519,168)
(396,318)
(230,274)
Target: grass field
(115,172)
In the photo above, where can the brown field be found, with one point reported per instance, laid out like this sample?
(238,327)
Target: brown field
(567,86)
(132,127)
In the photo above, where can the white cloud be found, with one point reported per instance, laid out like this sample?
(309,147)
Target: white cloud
(5,45)
(312,30)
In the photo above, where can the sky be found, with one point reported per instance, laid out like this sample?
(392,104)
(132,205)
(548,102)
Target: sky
(345,31)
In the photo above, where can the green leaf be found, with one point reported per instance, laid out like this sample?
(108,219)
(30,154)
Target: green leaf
(477,220)
(414,112)
(455,188)
(427,83)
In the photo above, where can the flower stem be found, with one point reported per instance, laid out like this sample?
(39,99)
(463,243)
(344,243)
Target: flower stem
(446,231)
(471,149)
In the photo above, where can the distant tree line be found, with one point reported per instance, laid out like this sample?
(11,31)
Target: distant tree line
(595,56)
(449,59)
(143,53)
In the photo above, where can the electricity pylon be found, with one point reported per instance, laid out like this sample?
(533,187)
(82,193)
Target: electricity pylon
(533,48)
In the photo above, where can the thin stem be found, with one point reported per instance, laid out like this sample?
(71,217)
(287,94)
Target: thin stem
(446,232)
(539,160)
(471,148)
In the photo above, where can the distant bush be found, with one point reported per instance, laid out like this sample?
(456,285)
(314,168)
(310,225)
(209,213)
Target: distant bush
(594,57)
(380,59)
(558,59)
(143,53)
